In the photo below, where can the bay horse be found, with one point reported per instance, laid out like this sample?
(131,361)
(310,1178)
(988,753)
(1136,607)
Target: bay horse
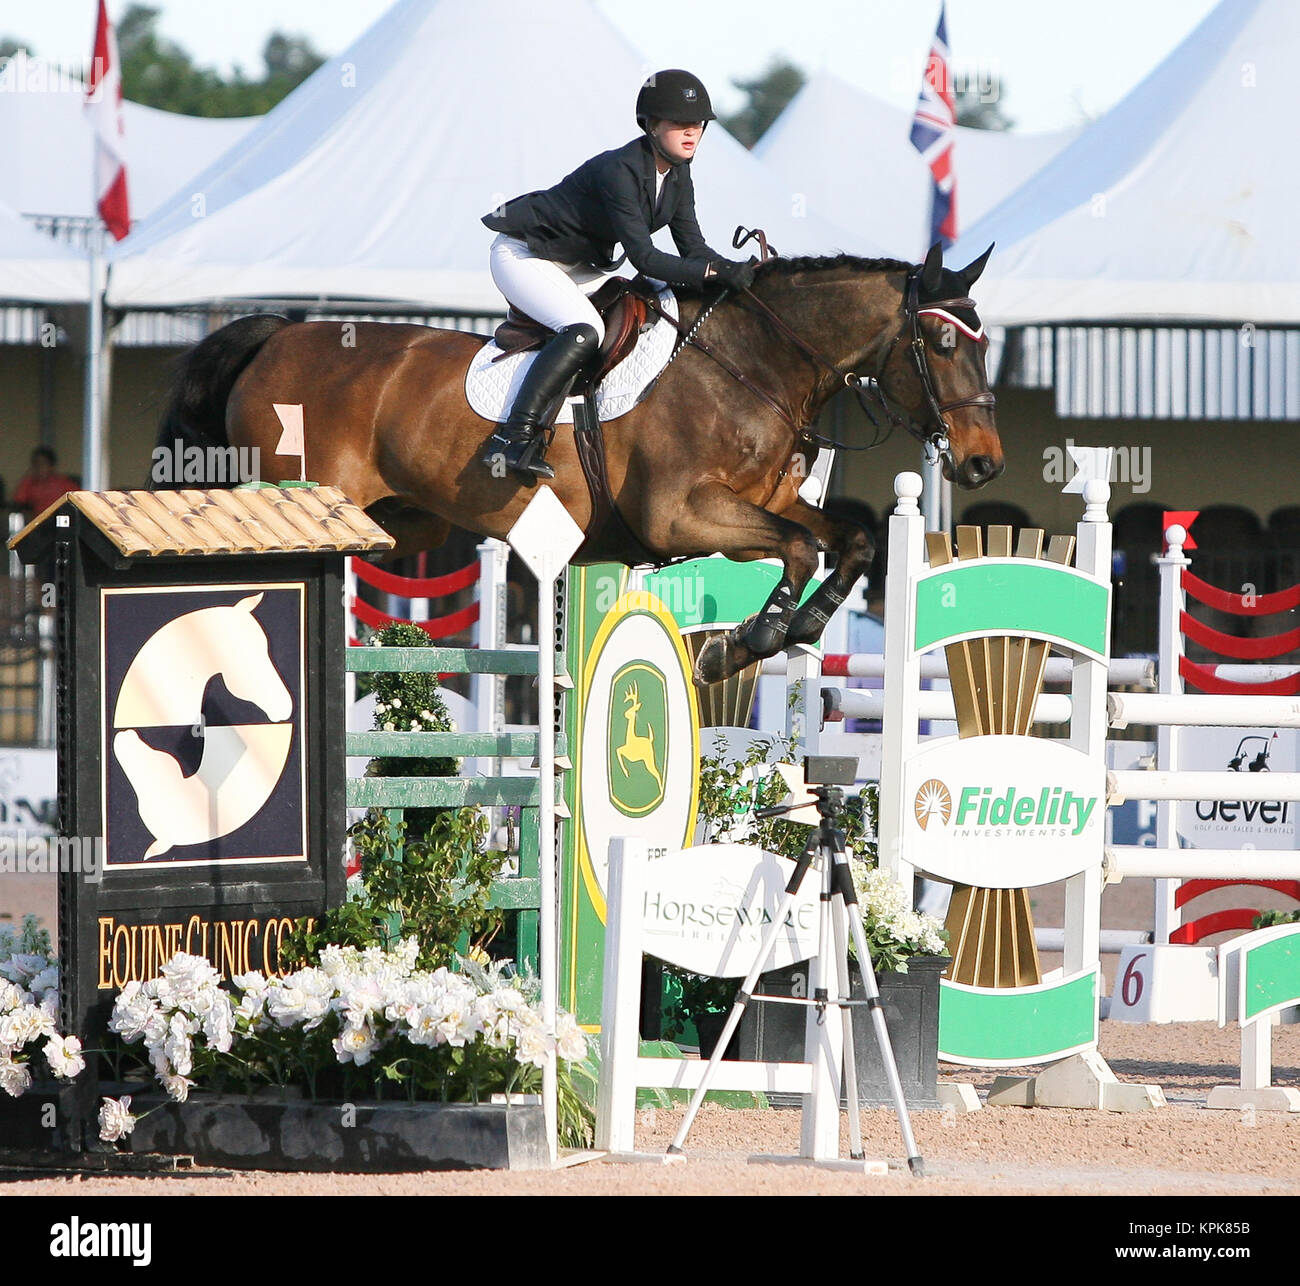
(710,462)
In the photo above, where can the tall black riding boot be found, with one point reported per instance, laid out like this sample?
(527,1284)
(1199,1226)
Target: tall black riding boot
(520,443)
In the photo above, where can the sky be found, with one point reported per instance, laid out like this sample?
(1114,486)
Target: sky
(1060,62)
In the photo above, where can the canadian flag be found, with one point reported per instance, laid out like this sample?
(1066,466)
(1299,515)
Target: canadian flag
(104,102)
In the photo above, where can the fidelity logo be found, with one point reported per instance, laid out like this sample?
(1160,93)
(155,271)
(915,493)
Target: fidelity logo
(1052,807)
(934,799)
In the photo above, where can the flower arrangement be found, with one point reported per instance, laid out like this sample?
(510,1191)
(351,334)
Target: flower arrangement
(359,1022)
(29,1006)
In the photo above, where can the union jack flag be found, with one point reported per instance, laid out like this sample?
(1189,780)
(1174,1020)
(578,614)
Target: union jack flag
(933,136)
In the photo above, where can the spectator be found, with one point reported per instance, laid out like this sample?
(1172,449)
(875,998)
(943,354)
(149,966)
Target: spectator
(43,484)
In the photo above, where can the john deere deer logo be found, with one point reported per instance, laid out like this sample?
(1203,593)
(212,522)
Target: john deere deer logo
(638,738)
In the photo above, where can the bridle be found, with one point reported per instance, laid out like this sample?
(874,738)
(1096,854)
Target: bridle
(936,438)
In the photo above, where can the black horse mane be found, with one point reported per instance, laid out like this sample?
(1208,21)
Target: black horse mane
(821,263)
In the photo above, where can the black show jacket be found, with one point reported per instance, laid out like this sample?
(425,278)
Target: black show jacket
(609,199)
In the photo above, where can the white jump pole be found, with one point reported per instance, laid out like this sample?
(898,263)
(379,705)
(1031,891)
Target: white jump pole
(1197,711)
(546,537)
(1187,786)
(1121,672)
(1136,861)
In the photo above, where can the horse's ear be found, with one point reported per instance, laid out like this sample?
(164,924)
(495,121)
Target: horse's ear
(970,274)
(248,604)
(932,270)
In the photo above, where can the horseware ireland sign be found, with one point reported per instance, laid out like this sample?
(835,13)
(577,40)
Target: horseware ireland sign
(708,909)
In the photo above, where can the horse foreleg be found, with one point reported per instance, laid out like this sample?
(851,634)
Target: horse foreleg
(719,520)
(854,547)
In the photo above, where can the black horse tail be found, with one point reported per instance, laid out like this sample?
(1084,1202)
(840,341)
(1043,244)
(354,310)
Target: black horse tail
(195,413)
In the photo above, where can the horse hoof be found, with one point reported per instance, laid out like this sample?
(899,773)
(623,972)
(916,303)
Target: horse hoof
(711,661)
(721,656)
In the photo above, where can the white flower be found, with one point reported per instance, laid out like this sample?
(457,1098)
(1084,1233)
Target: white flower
(11,996)
(532,1046)
(115,1119)
(388,727)
(14,1077)
(19,968)
(355,1045)
(177,1087)
(45,981)
(63,1053)
(253,982)
(396,703)
(22,1025)
(570,1040)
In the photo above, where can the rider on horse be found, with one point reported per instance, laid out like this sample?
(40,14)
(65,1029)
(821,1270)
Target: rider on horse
(555,248)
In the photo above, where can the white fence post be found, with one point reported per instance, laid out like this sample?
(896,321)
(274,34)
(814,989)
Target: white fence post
(621,998)
(1169,737)
(490,633)
(899,735)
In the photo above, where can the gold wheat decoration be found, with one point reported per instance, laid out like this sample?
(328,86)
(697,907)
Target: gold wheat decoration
(995,684)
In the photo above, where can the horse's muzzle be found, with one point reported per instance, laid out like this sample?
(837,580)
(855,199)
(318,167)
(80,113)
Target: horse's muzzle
(976,470)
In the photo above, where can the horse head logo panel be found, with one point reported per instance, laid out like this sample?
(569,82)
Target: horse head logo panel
(204,679)
(638,738)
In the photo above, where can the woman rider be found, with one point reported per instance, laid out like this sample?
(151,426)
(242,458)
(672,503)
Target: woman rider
(554,248)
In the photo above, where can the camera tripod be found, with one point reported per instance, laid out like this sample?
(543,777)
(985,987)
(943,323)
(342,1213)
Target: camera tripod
(839,903)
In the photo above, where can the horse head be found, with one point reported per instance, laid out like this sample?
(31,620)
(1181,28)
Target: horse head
(246,664)
(935,370)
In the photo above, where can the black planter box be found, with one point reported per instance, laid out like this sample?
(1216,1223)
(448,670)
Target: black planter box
(377,1138)
(775,1033)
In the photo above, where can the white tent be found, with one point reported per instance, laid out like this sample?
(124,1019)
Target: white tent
(850,156)
(49,145)
(369,181)
(35,268)
(1178,205)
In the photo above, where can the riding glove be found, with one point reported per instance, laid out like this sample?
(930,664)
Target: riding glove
(733,273)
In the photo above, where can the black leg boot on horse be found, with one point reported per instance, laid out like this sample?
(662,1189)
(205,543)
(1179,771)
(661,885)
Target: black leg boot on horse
(520,443)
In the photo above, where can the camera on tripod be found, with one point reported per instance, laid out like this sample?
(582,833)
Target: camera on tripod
(830,770)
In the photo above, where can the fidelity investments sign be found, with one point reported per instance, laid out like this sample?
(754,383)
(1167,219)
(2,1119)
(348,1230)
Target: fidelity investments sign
(1004,812)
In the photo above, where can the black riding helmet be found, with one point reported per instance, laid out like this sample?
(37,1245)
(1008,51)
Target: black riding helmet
(673,95)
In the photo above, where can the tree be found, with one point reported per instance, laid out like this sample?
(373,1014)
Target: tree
(769,94)
(980,107)
(159,73)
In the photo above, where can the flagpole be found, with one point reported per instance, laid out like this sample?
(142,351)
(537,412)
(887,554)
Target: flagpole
(92,427)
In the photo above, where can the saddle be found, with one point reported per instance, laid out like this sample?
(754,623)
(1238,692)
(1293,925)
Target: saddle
(621,304)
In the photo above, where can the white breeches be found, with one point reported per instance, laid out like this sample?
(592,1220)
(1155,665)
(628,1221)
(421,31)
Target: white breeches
(554,294)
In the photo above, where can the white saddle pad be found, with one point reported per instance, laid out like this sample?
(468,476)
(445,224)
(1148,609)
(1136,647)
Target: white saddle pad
(490,386)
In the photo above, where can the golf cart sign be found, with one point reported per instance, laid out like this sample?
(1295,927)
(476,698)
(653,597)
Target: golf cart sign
(1237,823)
